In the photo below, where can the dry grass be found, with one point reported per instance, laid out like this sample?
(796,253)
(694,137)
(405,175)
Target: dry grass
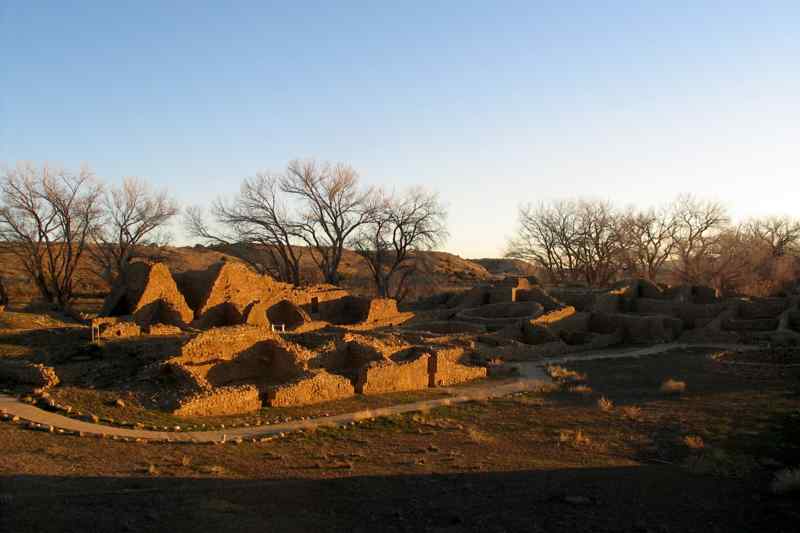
(479,437)
(632,412)
(605,404)
(786,481)
(694,442)
(581,389)
(672,386)
(216,470)
(577,438)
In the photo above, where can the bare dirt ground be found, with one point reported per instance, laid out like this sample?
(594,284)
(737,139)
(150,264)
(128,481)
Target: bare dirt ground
(647,460)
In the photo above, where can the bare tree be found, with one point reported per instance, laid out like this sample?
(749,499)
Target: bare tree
(570,240)
(698,227)
(648,240)
(399,226)
(46,219)
(547,236)
(332,208)
(134,214)
(780,234)
(258,223)
(599,242)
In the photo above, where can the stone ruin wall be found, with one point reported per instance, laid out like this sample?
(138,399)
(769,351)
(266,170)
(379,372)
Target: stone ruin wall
(313,387)
(387,376)
(21,372)
(221,401)
(230,293)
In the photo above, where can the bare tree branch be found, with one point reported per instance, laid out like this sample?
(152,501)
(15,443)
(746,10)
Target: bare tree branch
(398,227)
(133,216)
(46,219)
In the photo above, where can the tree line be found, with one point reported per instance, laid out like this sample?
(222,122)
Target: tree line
(51,218)
(688,241)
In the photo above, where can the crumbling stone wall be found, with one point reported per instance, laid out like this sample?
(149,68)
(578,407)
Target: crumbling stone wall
(232,288)
(539,295)
(500,315)
(580,299)
(163,330)
(388,376)
(554,316)
(21,372)
(312,387)
(760,308)
(232,354)
(115,327)
(287,313)
(637,328)
(447,327)
(149,294)
(220,401)
(354,310)
(445,368)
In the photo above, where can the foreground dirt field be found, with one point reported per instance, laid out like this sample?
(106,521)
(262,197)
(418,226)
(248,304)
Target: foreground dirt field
(700,460)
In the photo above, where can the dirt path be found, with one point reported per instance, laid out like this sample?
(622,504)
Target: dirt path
(532,377)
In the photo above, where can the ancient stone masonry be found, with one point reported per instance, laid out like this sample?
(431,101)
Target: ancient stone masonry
(390,376)
(114,327)
(225,291)
(236,354)
(229,293)
(353,310)
(314,386)
(237,362)
(445,367)
(149,295)
(496,316)
(163,330)
(220,401)
(21,372)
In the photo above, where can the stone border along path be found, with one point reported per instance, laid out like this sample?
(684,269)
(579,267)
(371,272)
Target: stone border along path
(533,377)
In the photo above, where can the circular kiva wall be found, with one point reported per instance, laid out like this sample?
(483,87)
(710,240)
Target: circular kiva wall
(447,327)
(502,314)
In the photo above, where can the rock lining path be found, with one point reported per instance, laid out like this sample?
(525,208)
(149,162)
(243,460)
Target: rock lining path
(532,374)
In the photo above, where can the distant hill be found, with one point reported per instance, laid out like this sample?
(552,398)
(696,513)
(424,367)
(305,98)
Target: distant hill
(509,267)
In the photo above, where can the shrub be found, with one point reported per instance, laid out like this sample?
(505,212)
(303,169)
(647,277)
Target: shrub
(575,438)
(694,442)
(605,404)
(632,412)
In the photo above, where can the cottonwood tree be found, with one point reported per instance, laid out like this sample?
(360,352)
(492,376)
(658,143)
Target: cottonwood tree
(698,226)
(648,240)
(781,235)
(47,217)
(332,206)
(570,240)
(398,227)
(258,223)
(133,216)
(599,243)
(547,236)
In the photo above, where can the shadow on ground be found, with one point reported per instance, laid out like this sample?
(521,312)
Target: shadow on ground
(645,498)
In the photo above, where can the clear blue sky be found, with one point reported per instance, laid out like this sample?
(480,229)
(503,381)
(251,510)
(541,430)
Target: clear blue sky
(490,103)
